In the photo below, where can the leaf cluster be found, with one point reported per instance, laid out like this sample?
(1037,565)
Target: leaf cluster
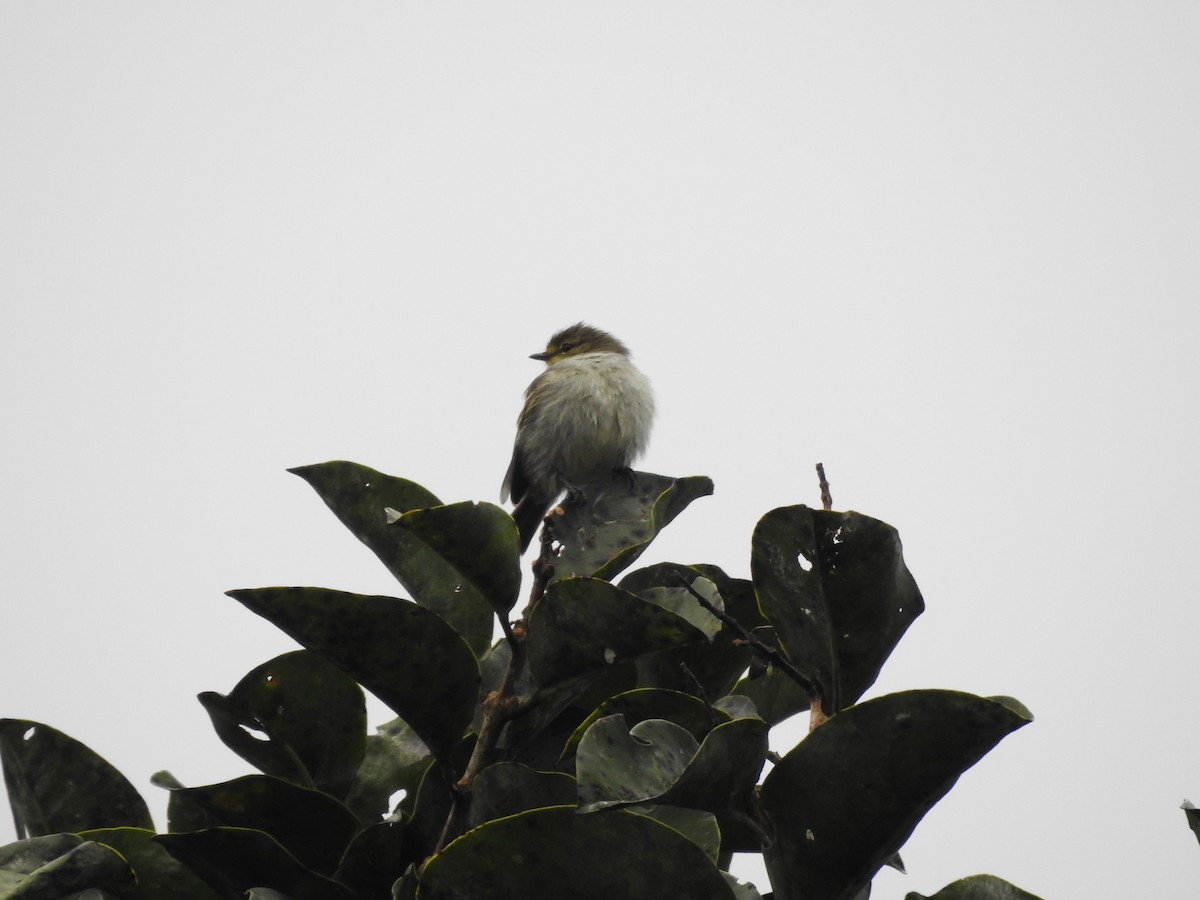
(611,742)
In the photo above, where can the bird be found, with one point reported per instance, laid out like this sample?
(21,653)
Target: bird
(589,414)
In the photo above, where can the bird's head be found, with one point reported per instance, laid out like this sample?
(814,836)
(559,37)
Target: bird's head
(577,339)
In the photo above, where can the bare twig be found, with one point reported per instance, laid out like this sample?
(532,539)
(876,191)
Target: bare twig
(826,498)
(771,654)
(698,690)
(543,571)
(816,715)
(499,707)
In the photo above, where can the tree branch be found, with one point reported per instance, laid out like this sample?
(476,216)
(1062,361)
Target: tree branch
(771,654)
(502,706)
(826,497)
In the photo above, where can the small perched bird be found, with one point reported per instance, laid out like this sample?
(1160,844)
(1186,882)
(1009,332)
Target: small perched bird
(586,416)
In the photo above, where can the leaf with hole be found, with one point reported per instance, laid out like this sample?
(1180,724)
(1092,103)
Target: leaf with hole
(836,589)
(55,783)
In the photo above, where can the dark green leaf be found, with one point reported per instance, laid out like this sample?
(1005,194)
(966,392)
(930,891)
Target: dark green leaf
(724,770)
(602,534)
(536,737)
(234,860)
(708,670)
(659,584)
(396,759)
(403,653)
(1193,817)
(312,826)
(586,623)
(361,497)
(616,764)
(649,703)
(159,875)
(594,857)
(776,694)
(736,707)
(977,887)
(297,717)
(505,789)
(836,589)
(374,860)
(262,893)
(20,858)
(743,890)
(850,794)
(57,784)
(476,540)
(697,826)
(426,809)
(55,866)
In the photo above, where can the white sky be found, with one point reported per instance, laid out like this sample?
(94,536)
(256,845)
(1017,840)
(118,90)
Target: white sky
(949,249)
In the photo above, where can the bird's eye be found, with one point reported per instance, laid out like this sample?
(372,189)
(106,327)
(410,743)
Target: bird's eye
(565,346)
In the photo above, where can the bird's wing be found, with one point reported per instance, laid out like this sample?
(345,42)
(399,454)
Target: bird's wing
(516,479)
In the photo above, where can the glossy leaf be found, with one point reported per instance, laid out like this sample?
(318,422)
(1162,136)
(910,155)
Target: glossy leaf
(56,784)
(297,717)
(650,703)
(836,589)
(660,762)
(361,498)
(60,865)
(476,540)
(604,532)
(977,887)
(616,764)
(374,860)
(850,794)
(775,693)
(159,875)
(21,858)
(1193,817)
(310,825)
(659,584)
(594,857)
(586,623)
(697,826)
(505,789)
(396,759)
(425,811)
(743,890)
(234,860)
(536,737)
(403,653)
(724,770)
(711,669)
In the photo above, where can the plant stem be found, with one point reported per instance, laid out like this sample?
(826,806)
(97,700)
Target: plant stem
(826,497)
(499,707)
(771,654)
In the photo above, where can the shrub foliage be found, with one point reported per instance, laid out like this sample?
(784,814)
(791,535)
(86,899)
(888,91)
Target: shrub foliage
(611,742)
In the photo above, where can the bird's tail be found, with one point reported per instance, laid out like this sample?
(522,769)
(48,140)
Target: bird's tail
(528,515)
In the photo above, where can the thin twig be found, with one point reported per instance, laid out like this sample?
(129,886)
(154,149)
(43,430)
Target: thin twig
(698,690)
(498,708)
(543,571)
(771,654)
(826,498)
(501,706)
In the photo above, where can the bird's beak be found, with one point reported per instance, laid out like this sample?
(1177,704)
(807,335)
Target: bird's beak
(542,356)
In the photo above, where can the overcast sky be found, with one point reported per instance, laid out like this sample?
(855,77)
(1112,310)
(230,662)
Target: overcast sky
(949,249)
